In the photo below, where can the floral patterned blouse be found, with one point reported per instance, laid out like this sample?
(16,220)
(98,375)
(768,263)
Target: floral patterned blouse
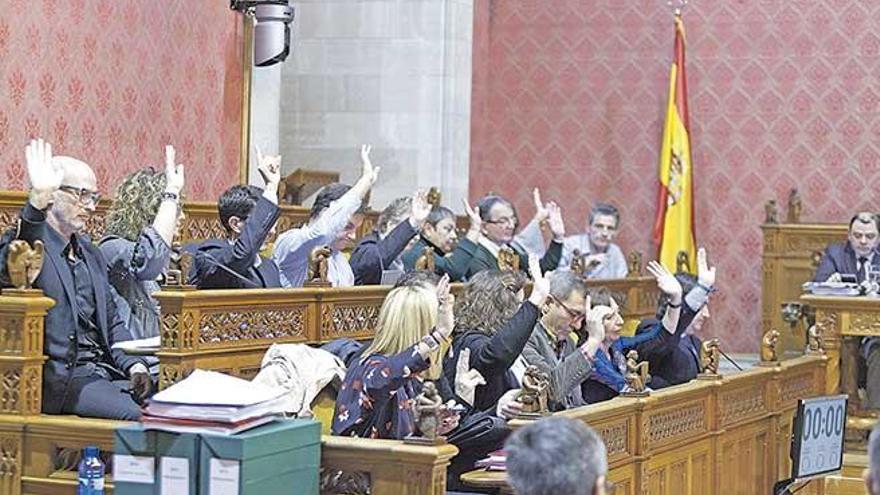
(376,398)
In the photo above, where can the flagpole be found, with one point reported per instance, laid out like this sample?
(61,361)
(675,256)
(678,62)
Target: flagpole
(677,6)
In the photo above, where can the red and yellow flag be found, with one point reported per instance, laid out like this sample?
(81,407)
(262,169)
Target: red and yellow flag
(674,224)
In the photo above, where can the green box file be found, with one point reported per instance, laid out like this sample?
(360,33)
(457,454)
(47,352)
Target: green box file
(134,440)
(280,458)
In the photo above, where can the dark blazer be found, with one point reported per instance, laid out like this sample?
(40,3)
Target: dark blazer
(669,358)
(484,260)
(217,261)
(493,355)
(840,258)
(60,330)
(680,365)
(373,254)
(455,264)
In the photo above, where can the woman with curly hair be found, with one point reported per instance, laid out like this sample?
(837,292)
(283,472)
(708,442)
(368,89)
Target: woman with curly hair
(139,231)
(494,323)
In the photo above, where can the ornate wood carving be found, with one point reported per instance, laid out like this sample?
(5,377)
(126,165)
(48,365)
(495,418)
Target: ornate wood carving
(335,482)
(798,387)
(739,405)
(678,422)
(615,436)
(11,464)
(271,324)
(170,330)
(340,321)
(10,391)
(864,324)
(169,374)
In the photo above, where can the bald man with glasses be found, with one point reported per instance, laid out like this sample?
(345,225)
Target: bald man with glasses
(84,374)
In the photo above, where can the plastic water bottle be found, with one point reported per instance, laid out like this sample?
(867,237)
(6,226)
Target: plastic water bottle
(91,473)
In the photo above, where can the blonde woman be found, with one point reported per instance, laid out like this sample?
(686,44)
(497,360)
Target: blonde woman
(139,230)
(375,400)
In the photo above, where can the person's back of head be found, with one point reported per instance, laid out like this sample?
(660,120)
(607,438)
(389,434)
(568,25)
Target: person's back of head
(396,212)
(556,455)
(135,203)
(872,473)
(237,201)
(489,300)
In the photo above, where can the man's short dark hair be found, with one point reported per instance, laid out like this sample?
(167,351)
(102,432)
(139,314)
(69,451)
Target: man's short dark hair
(484,206)
(553,456)
(327,195)
(438,214)
(606,209)
(237,201)
(865,217)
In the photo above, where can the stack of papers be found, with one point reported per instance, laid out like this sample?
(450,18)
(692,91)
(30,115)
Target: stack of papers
(497,461)
(832,288)
(211,402)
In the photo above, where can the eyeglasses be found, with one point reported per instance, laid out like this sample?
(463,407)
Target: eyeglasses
(82,194)
(573,314)
(506,221)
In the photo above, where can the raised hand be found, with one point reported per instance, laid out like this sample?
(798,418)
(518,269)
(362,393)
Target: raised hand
(445,318)
(666,281)
(173,172)
(473,217)
(269,167)
(541,211)
(368,171)
(705,273)
(45,178)
(540,284)
(554,219)
(596,321)
(420,209)
(467,379)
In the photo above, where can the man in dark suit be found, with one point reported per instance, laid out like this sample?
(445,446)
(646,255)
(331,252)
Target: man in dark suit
(248,214)
(380,250)
(84,374)
(499,223)
(451,255)
(856,256)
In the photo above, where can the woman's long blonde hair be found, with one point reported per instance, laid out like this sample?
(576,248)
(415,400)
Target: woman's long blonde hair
(407,315)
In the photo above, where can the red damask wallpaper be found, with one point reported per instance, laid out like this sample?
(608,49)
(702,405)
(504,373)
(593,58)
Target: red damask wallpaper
(112,81)
(569,96)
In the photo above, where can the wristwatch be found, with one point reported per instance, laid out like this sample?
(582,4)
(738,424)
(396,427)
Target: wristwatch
(170,196)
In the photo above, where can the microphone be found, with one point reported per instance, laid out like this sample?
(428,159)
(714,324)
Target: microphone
(212,260)
(734,363)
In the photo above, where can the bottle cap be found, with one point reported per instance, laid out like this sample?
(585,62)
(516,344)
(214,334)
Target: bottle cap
(91,451)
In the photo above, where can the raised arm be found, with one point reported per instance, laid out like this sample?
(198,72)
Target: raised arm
(165,222)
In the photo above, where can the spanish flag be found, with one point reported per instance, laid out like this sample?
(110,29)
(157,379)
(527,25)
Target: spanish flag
(674,224)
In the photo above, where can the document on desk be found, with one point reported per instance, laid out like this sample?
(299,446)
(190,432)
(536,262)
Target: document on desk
(140,344)
(211,388)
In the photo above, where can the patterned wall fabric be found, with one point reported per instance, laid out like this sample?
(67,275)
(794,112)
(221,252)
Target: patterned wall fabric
(569,96)
(112,81)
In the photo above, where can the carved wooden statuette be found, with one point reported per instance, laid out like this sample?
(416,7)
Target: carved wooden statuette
(425,262)
(508,260)
(635,264)
(769,356)
(816,259)
(771,212)
(434,197)
(179,266)
(23,263)
(682,262)
(318,261)
(710,353)
(814,340)
(428,409)
(637,376)
(535,393)
(577,262)
(795,206)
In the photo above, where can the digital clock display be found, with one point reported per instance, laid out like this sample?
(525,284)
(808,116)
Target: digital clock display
(817,443)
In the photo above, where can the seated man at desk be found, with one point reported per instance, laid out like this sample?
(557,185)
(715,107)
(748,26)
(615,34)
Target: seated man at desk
(451,255)
(857,257)
(248,214)
(602,258)
(84,374)
(499,224)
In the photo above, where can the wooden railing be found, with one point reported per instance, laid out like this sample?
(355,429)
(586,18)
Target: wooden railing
(729,436)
